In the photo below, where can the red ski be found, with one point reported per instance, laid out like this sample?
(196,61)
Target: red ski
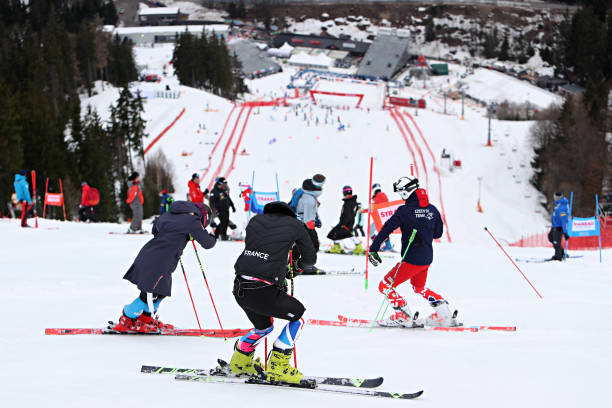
(368,324)
(478,328)
(174,332)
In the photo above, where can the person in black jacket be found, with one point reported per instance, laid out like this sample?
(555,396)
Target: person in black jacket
(344,229)
(417,214)
(152,269)
(260,289)
(221,202)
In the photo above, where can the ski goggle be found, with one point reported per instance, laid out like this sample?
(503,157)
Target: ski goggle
(318,183)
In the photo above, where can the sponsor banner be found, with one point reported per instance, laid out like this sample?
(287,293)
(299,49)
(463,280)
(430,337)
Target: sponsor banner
(583,227)
(54,199)
(383,211)
(259,199)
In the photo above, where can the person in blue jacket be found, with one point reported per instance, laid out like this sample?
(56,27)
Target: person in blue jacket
(166,201)
(559,225)
(417,214)
(22,190)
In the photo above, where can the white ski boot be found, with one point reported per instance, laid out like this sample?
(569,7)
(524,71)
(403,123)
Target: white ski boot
(402,317)
(442,316)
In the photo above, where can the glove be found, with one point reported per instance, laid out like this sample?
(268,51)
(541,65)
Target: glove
(317,222)
(233,209)
(374,258)
(310,224)
(566,236)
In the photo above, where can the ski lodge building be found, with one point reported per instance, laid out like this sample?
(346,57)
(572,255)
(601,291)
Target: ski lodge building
(148,36)
(154,16)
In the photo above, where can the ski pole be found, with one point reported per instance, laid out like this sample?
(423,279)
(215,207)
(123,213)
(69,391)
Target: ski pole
(513,263)
(414,231)
(208,287)
(291,274)
(190,297)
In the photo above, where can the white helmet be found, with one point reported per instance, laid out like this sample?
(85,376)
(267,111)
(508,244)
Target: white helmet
(405,186)
(376,187)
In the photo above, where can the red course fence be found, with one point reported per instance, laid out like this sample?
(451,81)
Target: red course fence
(576,243)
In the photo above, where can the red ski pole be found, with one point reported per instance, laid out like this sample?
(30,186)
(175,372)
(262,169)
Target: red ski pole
(369,221)
(208,287)
(513,263)
(34,200)
(190,297)
(291,272)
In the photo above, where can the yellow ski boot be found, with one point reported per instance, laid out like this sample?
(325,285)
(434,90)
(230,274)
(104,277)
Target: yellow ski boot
(279,369)
(336,249)
(242,363)
(358,250)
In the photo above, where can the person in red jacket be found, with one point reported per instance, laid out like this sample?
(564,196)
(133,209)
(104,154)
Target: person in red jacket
(378,197)
(86,208)
(135,200)
(195,193)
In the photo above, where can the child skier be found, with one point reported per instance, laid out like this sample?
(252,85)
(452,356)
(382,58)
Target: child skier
(260,290)
(558,229)
(417,214)
(344,229)
(359,221)
(152,269)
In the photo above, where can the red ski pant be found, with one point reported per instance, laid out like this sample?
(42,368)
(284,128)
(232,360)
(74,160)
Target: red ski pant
(417,274)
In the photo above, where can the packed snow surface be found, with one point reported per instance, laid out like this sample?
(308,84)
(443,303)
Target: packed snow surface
(70,274)
(559,355)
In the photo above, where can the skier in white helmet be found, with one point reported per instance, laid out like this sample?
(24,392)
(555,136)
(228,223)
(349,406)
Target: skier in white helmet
(417,214)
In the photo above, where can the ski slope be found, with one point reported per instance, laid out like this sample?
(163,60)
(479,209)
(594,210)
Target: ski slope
(559,356)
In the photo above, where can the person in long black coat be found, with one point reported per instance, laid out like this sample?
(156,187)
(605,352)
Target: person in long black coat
(152,269)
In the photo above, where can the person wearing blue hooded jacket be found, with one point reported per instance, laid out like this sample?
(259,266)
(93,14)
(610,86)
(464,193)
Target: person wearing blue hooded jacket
(416,214)
(22,190)
(558,229)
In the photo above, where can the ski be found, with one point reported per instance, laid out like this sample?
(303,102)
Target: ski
(386,254)
(165,332)
(224,366)
(305,385)
(342,318)
(542,260)
(130,233)
(318,271)
(359,323)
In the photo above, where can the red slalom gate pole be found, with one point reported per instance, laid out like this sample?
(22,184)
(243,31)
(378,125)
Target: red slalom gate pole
(513,263)
(34,201)
(208,287)
(369,222)
(191,297)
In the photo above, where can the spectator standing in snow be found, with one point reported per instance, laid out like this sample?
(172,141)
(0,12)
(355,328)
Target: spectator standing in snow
(89,198)
(221,203)
(22,190)
(558,229)
(195,193)
(135,200)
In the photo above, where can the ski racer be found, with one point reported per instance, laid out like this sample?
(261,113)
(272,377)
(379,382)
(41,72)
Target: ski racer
(221,203)
(22,190)
(417,214)
(261,291)
(359,221)
(152,269)
(344,229)
(307,207)
(135,200)
(558,229)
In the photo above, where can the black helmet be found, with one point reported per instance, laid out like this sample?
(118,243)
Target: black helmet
(347,191)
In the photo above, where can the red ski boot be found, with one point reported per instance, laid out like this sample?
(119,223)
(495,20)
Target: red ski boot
(154,322)
(127,325)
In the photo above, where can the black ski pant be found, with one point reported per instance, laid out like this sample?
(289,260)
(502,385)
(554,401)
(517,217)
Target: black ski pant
(87,213)
(261,301)
(554,236)
(357,230)
(221,230)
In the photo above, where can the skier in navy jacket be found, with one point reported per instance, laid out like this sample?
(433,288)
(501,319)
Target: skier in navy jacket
(559,225)
(417,214)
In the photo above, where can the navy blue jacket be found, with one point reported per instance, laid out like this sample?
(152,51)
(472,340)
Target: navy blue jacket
(417,214)
(152,269)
